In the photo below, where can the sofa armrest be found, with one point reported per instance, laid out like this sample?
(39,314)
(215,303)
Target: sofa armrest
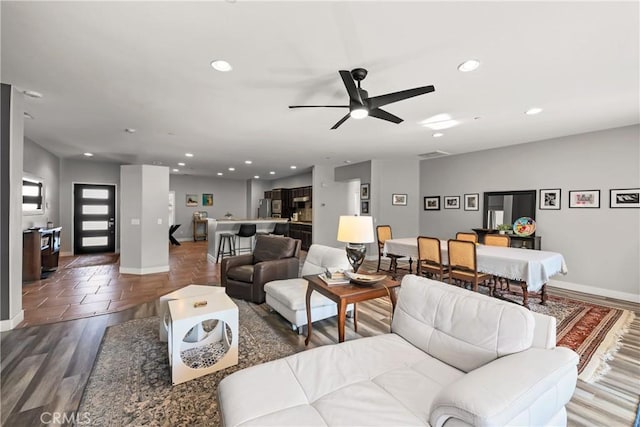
(528,387)
(279,269)
(234,261)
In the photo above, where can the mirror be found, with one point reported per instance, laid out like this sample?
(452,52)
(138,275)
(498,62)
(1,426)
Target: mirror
(32,195)
(504,207)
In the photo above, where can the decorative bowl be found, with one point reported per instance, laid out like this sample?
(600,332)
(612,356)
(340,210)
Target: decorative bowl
(524,226)
(364,279)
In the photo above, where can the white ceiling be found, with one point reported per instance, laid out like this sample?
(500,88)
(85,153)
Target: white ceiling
(104,67)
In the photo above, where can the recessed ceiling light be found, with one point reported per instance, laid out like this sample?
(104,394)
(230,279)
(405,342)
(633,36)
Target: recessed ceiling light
(256,176)
(437,134)
(272,173)
(32,93)
(130,130)
(533,111)
(188,154)
(176,170)
(220,174)
(88,154)
(221,65)
(347,161)
(248,162)
(469,65)
(232,169)
(359,113)
(181,164)
(27,115)
(293,167)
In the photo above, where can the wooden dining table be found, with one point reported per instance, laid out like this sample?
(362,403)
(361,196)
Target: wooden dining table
(532,268)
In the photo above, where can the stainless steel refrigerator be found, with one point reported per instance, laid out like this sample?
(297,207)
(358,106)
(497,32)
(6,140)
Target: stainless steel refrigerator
(264,208)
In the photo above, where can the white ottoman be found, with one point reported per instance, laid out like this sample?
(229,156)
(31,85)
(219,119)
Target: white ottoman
(185,316)
(186,292)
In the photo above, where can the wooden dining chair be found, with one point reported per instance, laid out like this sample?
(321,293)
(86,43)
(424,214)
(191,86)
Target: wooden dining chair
(430,258)
(463,264)
(383,233)
(504,241)
(467,237)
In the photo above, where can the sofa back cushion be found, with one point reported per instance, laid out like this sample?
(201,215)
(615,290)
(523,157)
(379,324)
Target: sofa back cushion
(269,248)
(461,328)
(320,256)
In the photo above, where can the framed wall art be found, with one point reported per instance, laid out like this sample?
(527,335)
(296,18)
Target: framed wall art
(472,202)
(584,199)
(432,203)
(452,202)
(364,191)
(399,199)
(207,199)
(624,198)
(364,207)
(192,200)
(550,199)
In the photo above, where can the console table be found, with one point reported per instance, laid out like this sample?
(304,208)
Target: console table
(40,252)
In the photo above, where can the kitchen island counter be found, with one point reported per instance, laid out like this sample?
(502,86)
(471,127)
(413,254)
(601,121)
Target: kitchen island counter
(217,226)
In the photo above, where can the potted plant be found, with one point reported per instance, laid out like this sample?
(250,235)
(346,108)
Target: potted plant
(503,228)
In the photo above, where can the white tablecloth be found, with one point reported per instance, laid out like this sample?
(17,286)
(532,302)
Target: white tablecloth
(528,265)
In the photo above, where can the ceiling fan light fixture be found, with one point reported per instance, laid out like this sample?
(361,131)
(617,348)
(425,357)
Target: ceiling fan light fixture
(359,113)
(469,65)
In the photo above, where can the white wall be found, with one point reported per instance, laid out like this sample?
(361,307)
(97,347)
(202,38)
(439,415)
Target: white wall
(601,246)
(228,196)
(301,180)
(330,200)
(144,225)
(255,192)
(84,172)
(41,163)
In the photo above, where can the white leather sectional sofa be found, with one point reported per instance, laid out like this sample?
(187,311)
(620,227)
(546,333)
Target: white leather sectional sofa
(454,358)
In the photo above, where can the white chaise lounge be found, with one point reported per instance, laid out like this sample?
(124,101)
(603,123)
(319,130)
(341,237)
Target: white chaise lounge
(287,297)
(454,358)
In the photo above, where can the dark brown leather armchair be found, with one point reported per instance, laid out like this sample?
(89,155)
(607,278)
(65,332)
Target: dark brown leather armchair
(273,258)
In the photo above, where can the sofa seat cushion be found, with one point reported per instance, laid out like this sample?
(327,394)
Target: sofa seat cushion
(292,294)
(269,248)
(381,380)
(241,273)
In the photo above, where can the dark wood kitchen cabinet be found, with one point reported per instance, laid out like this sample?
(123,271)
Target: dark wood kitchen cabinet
(303,232)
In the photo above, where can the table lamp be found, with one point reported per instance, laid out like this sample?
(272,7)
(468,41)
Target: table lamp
(355,231)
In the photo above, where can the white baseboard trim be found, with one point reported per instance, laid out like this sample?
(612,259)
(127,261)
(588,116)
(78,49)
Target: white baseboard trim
(211,258)
(9,324)
(140,271)
(603,292)
(184,239)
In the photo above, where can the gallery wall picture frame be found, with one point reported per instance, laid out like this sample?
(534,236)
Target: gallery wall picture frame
(550,199)
(207,199)
(472,202)
(364,207)
(584,199)
(432,203)
(364,191)
(191,200)
(399,199)
(624,198)
(452,202)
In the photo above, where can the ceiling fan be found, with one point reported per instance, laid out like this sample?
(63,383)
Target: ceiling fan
(361,106)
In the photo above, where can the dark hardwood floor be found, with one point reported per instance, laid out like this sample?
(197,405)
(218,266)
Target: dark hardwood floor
(44,368)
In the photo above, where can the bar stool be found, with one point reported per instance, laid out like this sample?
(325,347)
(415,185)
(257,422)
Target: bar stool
(246,230)
(226,239)
(281,229)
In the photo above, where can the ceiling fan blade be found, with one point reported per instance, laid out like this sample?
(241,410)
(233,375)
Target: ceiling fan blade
(318,106)
(379,101)
(352,90)
(384,115)
(342,120)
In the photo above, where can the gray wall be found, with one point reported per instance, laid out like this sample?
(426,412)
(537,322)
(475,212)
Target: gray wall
(228,196)
(45,165)
(84,172)
(601,246)
(301,180)
(330,200)
(397,176)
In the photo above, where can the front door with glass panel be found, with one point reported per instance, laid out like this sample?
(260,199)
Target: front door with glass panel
(94,218)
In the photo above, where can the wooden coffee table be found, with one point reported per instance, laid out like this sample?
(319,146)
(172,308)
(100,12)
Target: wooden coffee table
(344,295)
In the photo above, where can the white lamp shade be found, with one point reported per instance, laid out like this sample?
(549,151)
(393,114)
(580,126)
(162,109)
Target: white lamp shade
(355,229)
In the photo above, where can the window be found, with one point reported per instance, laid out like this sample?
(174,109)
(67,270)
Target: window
(32,198)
